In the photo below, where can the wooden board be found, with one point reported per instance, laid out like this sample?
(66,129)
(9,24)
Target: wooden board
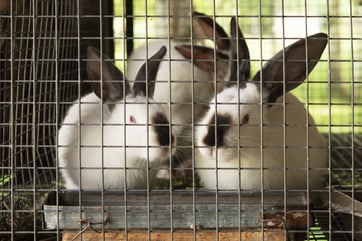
(250,235)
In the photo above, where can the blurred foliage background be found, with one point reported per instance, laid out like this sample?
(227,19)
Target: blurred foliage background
(333,91)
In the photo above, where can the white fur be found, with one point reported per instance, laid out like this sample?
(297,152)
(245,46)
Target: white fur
(178,83)
(254,156)
(92,153)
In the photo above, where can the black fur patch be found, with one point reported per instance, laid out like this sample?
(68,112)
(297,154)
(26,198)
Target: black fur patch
(222,124)
(162,128)
(111,107)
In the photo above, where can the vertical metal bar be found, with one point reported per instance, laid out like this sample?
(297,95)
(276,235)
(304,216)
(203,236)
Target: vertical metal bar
(169,36)
(17,85)
(147,134)
(101,18)
(330,231)
(216,156)
(23,94)
(192,129)
(78,59)
(125,39)
(34,114)
(307,119)
(352,121)
(239,121)
(260,17)
(285,184)
(57,112)
(12,128)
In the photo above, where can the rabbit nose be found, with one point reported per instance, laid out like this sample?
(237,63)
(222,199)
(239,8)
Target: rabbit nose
(162,128)
(216,130)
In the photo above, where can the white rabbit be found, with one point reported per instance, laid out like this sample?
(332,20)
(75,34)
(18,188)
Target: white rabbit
(120,142)
(239,149)
(187,86)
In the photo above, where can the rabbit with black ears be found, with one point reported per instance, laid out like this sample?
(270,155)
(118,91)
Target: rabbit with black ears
(186,85)
(115,137)
(256,135)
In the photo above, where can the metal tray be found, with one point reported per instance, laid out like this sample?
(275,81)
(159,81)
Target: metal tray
(176,209)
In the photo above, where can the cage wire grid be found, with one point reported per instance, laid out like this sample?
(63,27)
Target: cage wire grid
(43,73)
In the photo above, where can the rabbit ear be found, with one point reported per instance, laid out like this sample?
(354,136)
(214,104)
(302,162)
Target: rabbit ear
(203,57)
(239,56)
(111,88)
(291,65)
(206,27)
(147,74)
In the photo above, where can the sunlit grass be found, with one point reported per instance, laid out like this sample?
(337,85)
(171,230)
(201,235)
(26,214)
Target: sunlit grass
(316,234)
(337,119)
(4,180)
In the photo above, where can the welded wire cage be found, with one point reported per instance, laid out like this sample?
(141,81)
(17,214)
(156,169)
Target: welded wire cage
(44,56)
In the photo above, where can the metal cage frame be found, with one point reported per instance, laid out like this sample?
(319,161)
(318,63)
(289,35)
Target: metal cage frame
(43,71)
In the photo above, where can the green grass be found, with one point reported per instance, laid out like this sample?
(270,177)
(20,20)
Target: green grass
(4,180)
(317,234)
(337,119)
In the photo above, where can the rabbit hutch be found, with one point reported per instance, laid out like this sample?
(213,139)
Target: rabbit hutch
(180,120)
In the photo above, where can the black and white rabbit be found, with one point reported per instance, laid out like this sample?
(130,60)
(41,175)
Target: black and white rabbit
(115,137)
(187,86)
(256,134)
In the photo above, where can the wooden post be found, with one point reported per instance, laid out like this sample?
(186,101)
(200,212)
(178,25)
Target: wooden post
(178,26)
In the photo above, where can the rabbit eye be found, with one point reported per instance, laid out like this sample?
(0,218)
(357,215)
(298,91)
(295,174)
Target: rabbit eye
(132,119)
(245,119)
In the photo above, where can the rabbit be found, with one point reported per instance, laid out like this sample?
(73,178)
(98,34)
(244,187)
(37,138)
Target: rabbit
(187,86)
(121,142)
(256,134)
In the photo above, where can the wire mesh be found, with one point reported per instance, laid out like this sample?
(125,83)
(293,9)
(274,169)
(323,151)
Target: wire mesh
(43,73)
